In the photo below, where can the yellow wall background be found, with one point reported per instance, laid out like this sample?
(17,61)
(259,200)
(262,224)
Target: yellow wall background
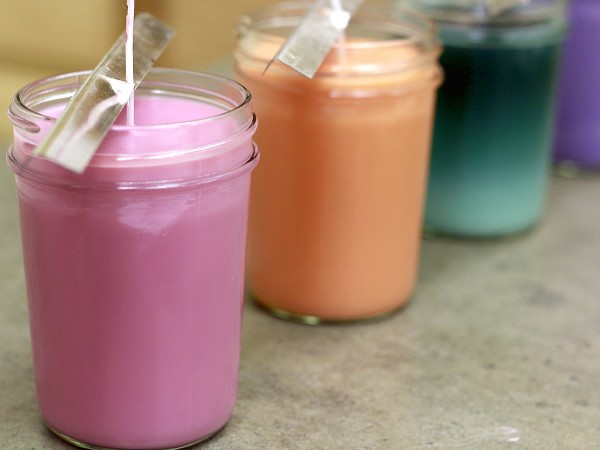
(41,37)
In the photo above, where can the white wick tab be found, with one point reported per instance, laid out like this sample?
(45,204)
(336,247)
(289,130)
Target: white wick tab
(308,45)
(87,118)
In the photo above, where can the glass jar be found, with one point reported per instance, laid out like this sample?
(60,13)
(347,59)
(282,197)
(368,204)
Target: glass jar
(578,124)
(336,206)
(135,268)
(494,121)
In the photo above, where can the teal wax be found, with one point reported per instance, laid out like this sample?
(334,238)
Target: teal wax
(492,140)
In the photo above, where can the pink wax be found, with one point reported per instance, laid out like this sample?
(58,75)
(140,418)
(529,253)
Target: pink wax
(135,295)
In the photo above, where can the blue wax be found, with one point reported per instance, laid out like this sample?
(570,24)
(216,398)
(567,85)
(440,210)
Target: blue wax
(492,140)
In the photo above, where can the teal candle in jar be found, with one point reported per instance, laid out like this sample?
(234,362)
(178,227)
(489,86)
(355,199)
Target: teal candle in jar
(494,120)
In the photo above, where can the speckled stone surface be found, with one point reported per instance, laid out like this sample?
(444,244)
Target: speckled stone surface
(499,349)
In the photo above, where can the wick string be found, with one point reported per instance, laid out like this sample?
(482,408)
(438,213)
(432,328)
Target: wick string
(337,5)
(129,59)
(338,8)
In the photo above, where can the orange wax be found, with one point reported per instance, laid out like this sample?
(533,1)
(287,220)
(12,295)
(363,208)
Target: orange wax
(337,201)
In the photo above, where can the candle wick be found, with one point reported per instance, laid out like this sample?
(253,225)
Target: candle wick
(340,19)
(129,59)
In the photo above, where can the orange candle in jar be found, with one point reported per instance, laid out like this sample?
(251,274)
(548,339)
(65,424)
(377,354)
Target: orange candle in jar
(337,204)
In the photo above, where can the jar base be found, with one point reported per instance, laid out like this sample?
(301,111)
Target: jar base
(431,233)
(84,445)
(574,169)
(316,320)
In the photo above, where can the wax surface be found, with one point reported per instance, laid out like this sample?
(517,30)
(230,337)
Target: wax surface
(156,110)
(182,145)
(492,139)
(135,300)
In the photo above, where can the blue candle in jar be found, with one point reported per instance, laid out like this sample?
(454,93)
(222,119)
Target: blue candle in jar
(494,120)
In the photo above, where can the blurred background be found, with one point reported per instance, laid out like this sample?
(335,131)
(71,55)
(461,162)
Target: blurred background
(40,38)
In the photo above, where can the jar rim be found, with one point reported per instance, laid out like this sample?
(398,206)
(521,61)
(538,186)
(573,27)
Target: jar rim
(167,154)
(260,17)
(404,28)
(20,111)
(444,12)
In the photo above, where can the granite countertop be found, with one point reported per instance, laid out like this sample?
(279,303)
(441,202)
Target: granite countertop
(500,348)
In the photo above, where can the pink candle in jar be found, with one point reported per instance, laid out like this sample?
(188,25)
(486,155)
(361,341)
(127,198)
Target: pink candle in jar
(135,269)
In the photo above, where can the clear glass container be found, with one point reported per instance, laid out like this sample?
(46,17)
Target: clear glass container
(135,268)
(336,206)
